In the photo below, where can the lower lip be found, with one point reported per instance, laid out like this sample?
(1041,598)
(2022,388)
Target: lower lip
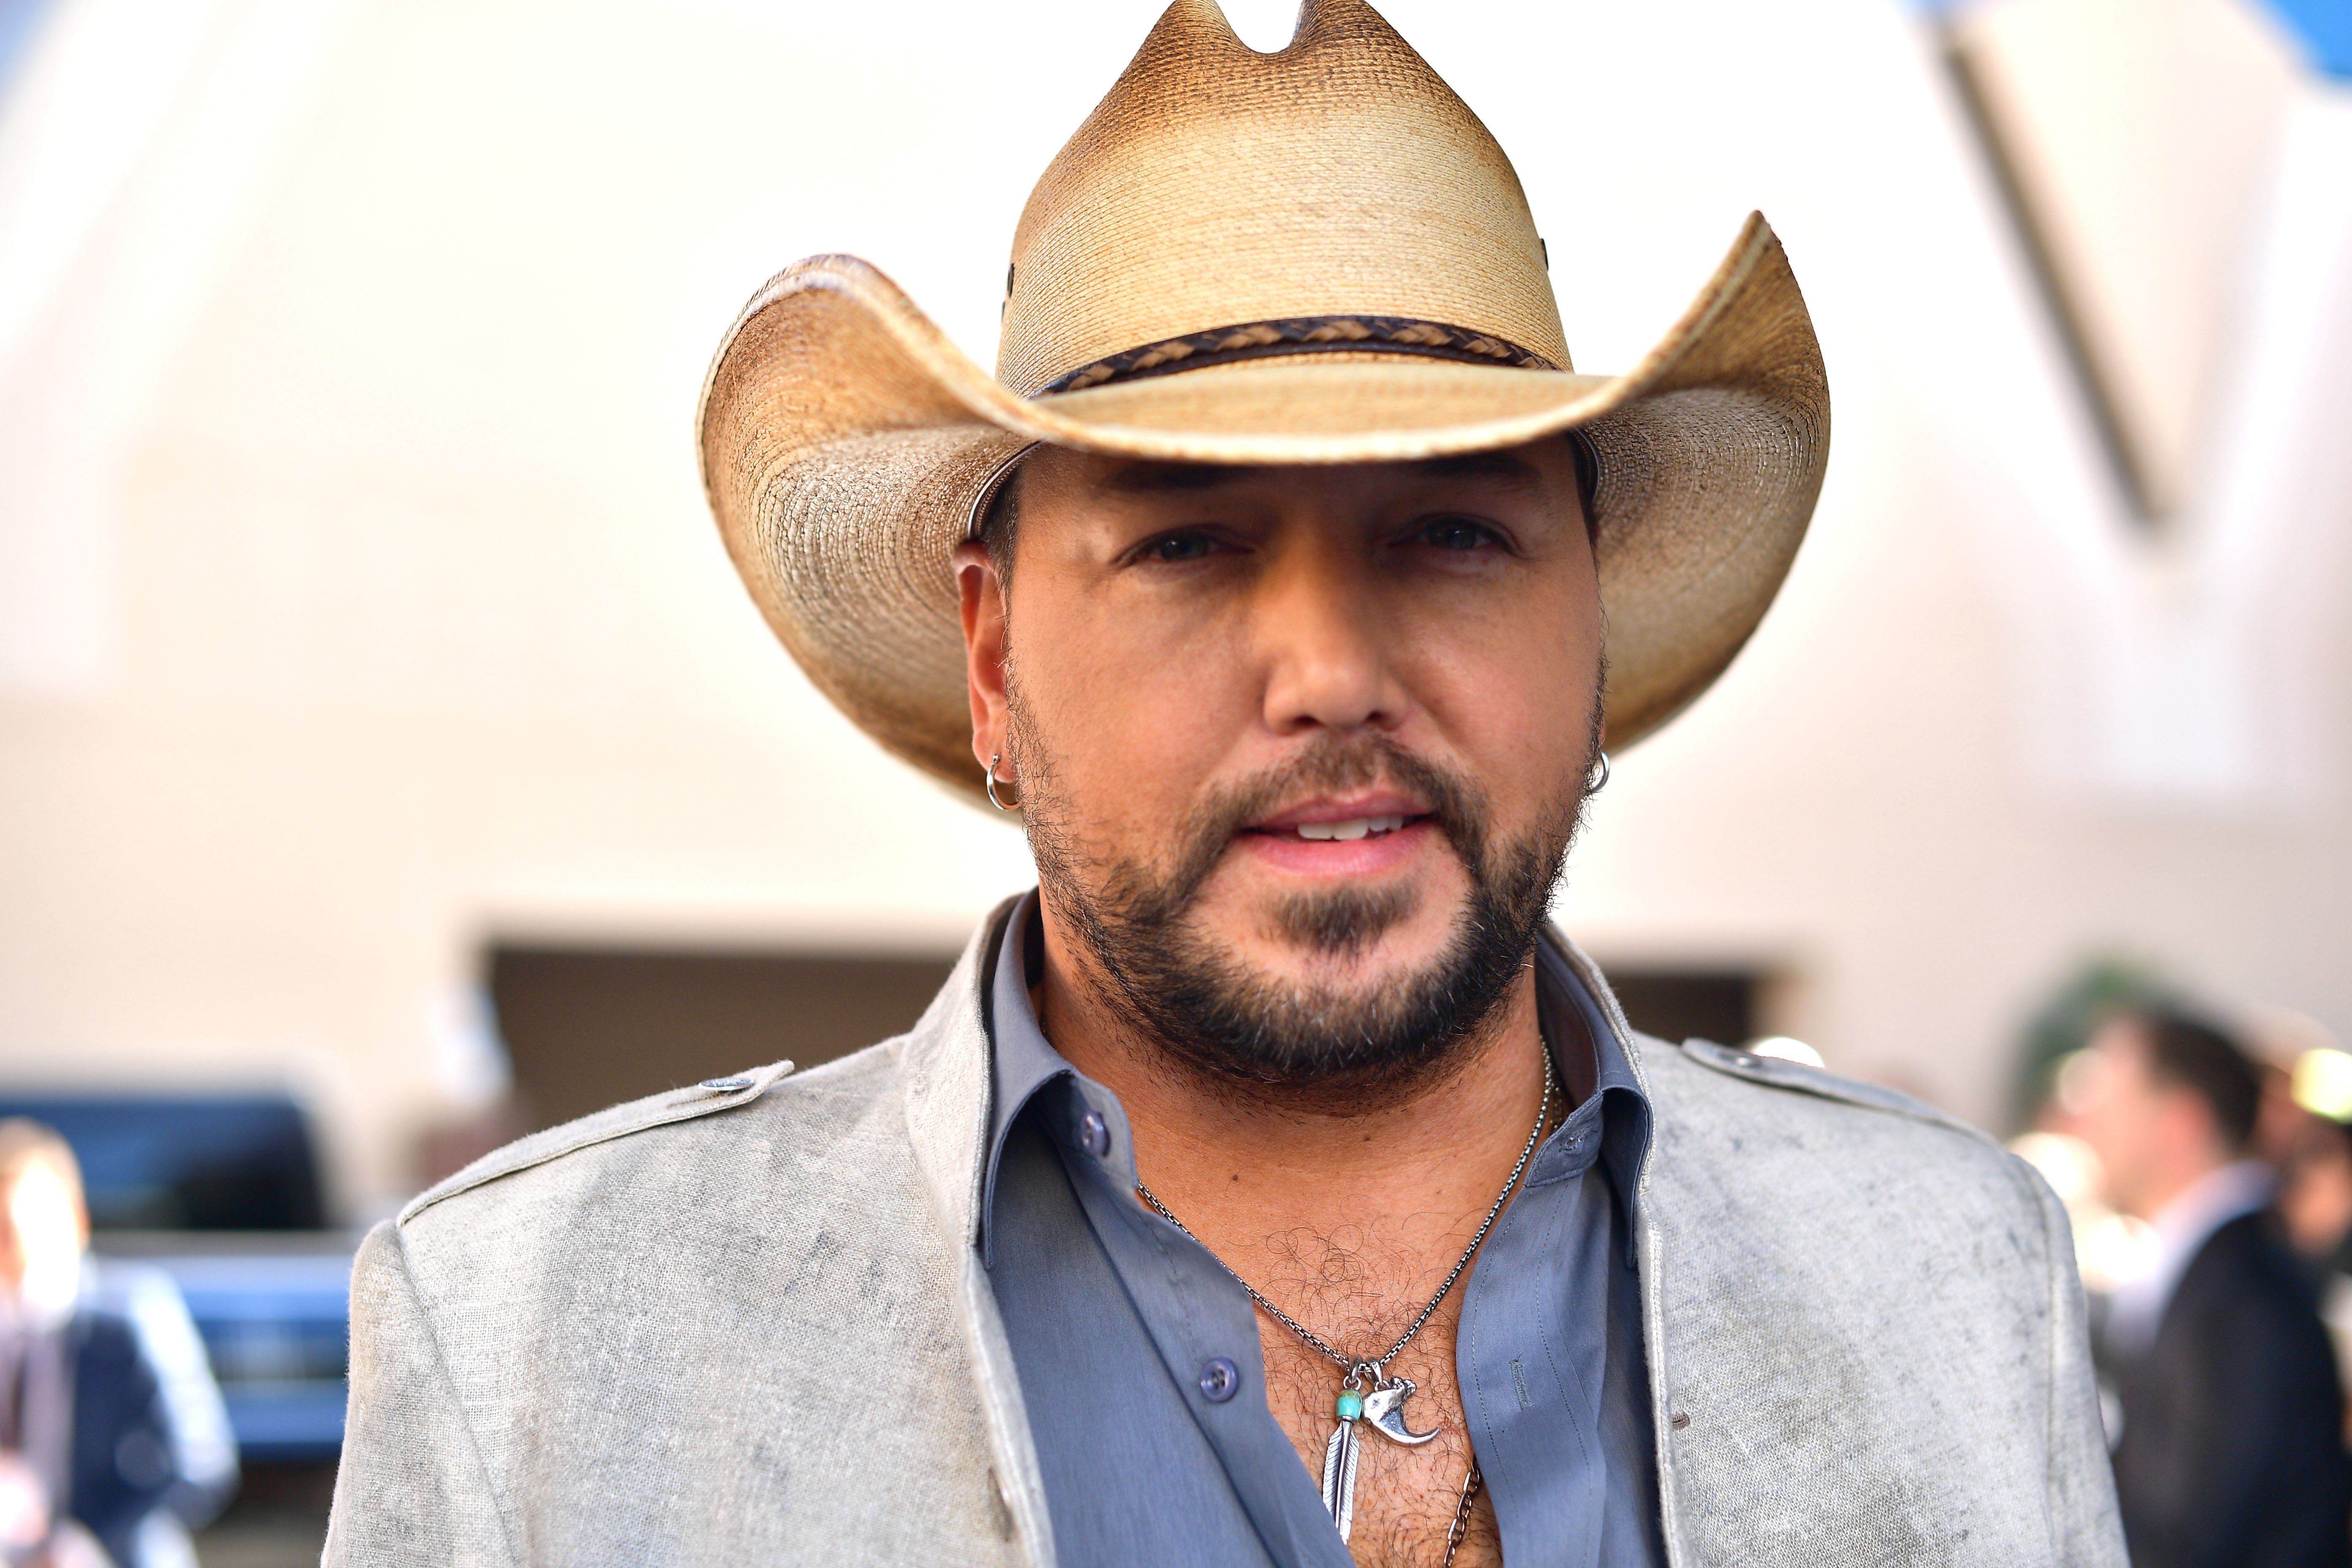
(1365,857)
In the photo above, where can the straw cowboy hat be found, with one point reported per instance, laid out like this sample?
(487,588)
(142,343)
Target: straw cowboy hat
(1318,256)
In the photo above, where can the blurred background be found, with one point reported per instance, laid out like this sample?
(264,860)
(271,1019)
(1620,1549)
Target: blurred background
(391,763)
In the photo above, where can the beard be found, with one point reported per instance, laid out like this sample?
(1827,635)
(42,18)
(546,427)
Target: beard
(1256,1034)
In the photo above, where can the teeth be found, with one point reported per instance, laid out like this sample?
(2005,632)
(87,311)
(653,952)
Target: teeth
(1354,829)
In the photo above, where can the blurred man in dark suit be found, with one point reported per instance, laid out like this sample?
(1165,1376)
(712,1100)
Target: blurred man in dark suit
(91,1445)
(2231,1452)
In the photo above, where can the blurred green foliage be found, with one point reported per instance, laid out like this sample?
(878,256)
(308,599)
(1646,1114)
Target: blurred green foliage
(2099,986)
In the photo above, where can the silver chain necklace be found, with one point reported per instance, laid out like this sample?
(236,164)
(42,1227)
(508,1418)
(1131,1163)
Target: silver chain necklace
(1382,1403)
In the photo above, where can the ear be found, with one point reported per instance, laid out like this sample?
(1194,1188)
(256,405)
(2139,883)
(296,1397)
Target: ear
(982,596)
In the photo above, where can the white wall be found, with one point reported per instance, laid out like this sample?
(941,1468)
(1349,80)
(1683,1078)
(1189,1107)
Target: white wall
(354,441)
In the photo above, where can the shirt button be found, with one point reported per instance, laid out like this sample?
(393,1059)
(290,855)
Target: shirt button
(1094,1134)
(1220,1379)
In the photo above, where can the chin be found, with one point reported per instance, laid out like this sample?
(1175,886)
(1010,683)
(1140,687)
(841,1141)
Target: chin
(1383,959)
(1338,930)
(1351,946)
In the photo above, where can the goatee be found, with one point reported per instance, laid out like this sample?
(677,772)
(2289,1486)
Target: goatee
(1263,1036)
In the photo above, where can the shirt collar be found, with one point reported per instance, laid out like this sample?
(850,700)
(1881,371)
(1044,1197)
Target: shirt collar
(1611,1122)
(1022,1061)
(1610,1100)
(2187,1223)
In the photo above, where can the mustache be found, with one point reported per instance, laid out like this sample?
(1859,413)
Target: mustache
(1334,765)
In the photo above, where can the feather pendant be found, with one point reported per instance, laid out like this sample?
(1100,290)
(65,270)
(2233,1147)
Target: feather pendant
(1339,1477)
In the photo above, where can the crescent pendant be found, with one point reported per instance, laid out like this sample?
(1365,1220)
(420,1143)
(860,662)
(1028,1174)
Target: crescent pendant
(1384,1408)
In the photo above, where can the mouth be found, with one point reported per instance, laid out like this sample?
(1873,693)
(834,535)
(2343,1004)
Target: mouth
(1343,832)
(1343,821)
(1383,835)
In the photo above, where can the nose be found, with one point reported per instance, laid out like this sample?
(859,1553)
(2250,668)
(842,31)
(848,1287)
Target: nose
(1318,626)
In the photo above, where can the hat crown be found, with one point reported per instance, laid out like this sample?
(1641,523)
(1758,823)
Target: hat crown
(1216,186)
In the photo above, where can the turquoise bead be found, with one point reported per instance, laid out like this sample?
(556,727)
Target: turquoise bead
(1351,1404)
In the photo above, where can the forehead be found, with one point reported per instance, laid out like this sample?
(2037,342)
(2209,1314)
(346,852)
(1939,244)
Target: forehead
(1542,472)
(33,1188)
(2122,1045)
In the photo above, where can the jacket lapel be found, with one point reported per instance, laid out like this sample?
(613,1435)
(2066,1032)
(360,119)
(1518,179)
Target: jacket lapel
(948,1085)
(1646,1248)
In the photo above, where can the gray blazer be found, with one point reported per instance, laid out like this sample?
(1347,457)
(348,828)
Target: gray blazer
(749,1324)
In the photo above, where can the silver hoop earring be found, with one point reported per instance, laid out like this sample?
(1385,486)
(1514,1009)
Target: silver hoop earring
(1591,789)
(991,785)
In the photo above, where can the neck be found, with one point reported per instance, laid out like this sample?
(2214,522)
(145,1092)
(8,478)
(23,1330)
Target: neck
(2168,1184)
(1400,1178)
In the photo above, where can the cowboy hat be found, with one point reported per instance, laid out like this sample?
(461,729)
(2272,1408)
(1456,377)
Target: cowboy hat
(1318,256)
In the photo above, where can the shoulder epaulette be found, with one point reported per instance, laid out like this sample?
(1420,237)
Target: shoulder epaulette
(1797,1078)
(602,1127)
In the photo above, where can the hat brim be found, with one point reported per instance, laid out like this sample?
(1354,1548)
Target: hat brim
(846,444)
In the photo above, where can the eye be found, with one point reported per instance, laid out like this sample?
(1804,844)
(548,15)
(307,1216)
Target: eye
(1177,548)
(1457,534)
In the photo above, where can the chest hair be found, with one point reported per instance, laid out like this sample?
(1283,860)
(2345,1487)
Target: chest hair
(1360,1296)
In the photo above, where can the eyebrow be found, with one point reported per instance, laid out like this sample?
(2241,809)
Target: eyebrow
(1501,467)
(1170,478)
(1189,478)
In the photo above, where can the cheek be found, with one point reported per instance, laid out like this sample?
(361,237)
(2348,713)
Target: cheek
(1132,723)
(1517,704)
(2124,1135)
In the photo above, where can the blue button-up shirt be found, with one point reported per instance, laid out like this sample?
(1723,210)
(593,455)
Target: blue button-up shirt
(1140,1358)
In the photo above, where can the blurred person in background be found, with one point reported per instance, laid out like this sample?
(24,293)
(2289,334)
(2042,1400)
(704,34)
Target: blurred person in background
(204,1455)
(2307,1090)
(2307,1101)
(2230,1448)
(2315,1202)
(2314,1209)
(111,1434)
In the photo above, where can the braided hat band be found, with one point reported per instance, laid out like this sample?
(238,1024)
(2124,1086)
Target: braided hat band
(1300,335)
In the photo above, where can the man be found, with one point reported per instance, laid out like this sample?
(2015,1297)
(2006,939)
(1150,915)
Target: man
(2230,1447)
(89,1444)
(1273,1185)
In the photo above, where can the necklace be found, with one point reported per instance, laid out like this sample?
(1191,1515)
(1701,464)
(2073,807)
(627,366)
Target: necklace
(1366,1391)
(1460,1528)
